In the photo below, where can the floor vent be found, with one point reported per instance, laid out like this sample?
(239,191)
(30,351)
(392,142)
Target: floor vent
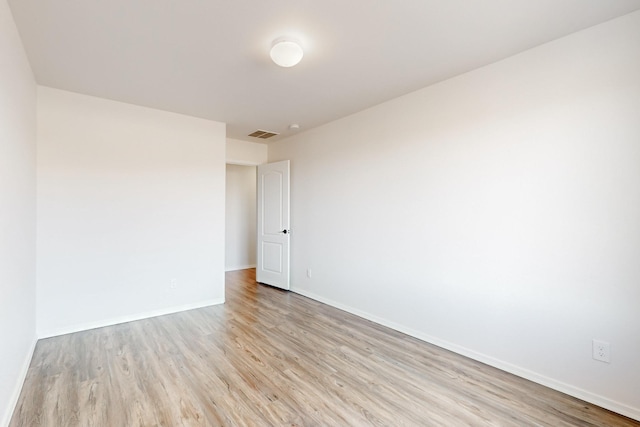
(263,134)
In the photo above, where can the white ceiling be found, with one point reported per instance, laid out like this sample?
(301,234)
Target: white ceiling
(210,58)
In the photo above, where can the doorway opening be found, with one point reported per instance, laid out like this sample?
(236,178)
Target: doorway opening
(240,210)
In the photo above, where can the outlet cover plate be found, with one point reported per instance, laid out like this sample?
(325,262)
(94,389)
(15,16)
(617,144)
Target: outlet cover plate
(601,351)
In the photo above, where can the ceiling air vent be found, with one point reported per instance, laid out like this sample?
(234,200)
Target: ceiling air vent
(263,134)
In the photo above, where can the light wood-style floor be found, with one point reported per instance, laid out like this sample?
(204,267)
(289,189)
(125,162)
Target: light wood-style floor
(272,358)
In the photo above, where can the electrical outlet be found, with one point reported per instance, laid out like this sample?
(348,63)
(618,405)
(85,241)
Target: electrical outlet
(601,351)
(173,284)
(309,273)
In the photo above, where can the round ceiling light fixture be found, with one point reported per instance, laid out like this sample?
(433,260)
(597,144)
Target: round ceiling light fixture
(286,52)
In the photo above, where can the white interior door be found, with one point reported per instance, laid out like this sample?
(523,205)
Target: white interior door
(273,224)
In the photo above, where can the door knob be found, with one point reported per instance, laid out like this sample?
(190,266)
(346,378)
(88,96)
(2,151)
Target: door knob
(285,231)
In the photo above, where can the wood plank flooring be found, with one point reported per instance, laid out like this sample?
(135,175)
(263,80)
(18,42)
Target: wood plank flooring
(272,358)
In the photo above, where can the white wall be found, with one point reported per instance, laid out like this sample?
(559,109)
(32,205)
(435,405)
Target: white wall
(17,214)
(496,214)
(245,152)
(240,217)
(129,200)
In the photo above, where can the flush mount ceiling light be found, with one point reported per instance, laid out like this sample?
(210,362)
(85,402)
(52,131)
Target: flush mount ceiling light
(286,52)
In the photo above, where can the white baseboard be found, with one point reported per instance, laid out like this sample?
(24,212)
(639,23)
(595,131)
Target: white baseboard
(47,333)
(240,267)
(17,389)
(579,393)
